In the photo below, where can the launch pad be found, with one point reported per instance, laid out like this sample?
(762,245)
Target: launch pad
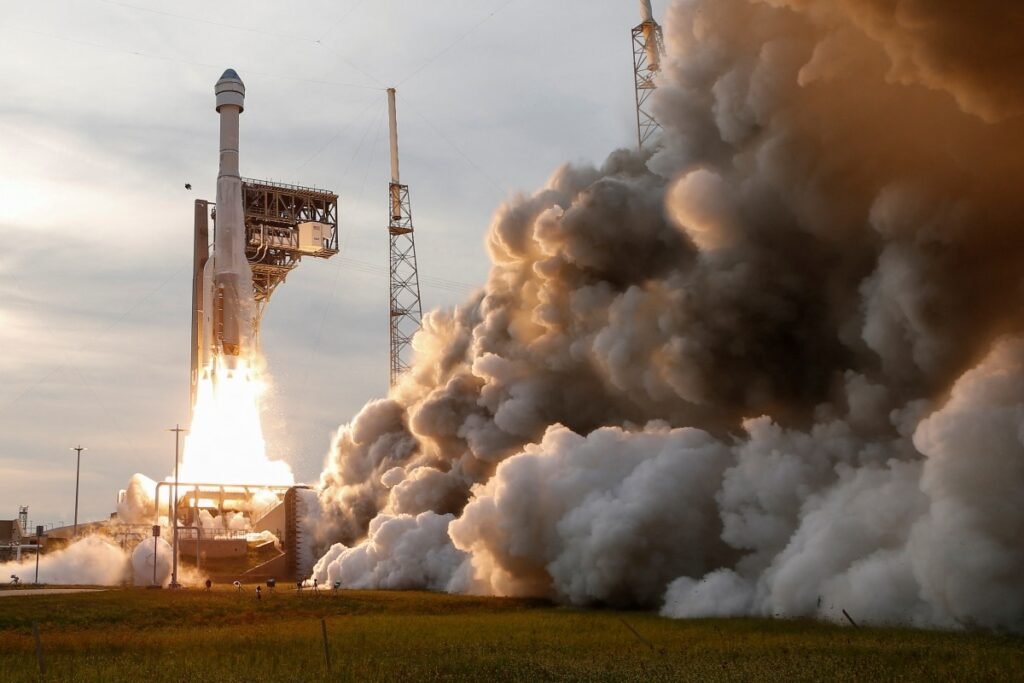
(224,552)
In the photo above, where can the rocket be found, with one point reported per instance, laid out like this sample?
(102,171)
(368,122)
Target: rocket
(228,275)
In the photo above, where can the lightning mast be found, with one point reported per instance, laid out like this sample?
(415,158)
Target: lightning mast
(406,312)
(648,46)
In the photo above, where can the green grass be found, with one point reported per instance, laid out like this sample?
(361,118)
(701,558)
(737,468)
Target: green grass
(157,636)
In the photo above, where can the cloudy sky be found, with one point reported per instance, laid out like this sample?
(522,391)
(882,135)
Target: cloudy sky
(107,111)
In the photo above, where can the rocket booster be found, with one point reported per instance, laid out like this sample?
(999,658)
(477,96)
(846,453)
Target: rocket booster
(229,275)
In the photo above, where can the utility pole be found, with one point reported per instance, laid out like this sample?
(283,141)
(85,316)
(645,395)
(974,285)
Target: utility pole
(648,46)
(406,310)
(174,515)
(78,469)
(156,535)
(40,531)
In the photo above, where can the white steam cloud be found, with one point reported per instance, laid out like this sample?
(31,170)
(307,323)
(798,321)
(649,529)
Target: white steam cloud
(151,562)
(91,561)
(775,368)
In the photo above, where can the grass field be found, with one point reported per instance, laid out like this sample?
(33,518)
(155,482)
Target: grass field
(157,636)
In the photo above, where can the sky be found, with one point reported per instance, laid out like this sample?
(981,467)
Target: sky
(108,110)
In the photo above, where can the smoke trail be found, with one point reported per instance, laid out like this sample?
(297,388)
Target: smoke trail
(771,369)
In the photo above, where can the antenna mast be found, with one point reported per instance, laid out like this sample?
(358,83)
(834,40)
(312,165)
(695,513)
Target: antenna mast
(648,46)
(406,312)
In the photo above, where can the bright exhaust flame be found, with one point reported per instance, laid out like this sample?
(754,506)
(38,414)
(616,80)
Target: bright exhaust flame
(225,444)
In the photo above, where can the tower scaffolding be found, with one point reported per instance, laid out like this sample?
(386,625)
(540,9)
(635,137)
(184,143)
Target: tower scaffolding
(406,310)
(648,46)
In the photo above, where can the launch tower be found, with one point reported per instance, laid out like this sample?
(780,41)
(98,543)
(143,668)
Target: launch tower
(279,225)
(406,311)
(648,46)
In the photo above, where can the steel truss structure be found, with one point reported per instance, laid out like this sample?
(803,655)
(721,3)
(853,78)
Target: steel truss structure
(648,45)
(273,212)
(406,307)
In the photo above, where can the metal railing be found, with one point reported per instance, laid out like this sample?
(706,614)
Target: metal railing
(191,533)
(287,186)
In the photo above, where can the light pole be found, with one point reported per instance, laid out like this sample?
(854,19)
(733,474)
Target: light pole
(156,535)
(174,515)
(39,546)
(78,470)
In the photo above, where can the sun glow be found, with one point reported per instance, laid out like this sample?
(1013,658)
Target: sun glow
(225,443)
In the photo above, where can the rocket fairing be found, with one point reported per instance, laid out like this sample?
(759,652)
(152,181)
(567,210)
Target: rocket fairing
(228,275)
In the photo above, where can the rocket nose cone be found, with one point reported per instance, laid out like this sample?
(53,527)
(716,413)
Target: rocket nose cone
(230,74)
(230,90)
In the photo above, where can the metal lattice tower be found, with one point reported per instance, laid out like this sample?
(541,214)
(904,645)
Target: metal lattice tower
(406,310)
(284,223)
(648,46)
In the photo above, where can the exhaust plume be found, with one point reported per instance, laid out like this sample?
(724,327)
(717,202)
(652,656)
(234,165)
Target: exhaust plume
(774,368)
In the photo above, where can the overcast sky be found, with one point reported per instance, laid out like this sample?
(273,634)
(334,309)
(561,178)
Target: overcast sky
(107,110)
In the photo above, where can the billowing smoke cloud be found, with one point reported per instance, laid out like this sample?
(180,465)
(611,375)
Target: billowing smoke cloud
(91,561)
(151,562)
(137,505)
(773,368)
(97,561)
(400,553)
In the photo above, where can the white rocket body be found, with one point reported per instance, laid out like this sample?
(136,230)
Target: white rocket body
(650,28)
(229,275)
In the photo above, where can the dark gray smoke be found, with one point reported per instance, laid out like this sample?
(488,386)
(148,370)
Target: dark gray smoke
(771,369)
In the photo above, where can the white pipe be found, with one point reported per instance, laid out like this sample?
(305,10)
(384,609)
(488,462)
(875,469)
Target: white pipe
(393,125)
(646,13)
(395,190)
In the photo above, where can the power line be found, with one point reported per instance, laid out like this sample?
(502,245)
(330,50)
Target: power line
(271,34)
(197,20)
(177,60)
(457,149)
(334,137)
(345,16)
(434,282)
(455,42)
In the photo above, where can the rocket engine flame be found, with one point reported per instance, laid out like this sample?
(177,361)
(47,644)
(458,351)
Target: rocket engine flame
(225,444)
